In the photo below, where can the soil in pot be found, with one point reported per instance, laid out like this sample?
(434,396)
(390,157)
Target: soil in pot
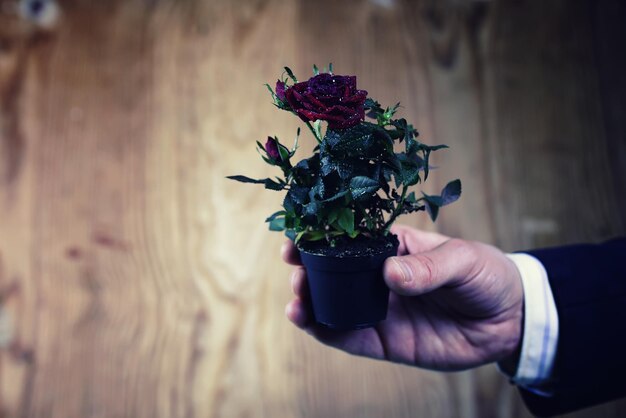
(346,282)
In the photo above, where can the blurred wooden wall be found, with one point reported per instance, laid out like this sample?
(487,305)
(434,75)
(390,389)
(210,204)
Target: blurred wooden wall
(137,282)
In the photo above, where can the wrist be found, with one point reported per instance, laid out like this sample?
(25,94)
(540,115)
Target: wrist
(509,362)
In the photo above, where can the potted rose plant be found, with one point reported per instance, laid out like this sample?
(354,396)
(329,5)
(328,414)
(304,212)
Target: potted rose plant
(341,201)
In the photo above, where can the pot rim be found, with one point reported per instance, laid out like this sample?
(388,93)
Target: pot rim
(383,251)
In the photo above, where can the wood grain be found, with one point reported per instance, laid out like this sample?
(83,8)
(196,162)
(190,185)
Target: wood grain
(138,282)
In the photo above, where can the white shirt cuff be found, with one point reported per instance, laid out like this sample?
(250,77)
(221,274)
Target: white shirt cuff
(541,326)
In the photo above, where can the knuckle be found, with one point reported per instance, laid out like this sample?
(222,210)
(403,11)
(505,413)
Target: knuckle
(297,279)
(458,245)
(463,248)
(424,270)
(467,254)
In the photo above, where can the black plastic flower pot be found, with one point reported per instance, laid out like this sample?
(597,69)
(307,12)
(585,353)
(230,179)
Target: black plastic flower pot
(348,293)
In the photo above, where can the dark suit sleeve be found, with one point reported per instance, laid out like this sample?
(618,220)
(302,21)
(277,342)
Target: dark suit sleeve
(589,287)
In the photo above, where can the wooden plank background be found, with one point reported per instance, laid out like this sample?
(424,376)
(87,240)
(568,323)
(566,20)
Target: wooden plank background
(136,282)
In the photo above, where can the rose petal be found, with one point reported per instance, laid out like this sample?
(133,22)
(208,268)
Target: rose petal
(332,98)
(280,90)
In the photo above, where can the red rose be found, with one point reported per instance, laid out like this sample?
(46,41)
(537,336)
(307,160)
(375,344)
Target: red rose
(333,98)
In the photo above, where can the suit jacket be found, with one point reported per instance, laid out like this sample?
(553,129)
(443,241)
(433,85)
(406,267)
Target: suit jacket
(589,287)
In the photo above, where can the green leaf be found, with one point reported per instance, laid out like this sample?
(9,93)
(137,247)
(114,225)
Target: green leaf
(346,220)
(414,207)
(433,210)
(345,169)
(317,127)
(433,200)
(312,208)
(410,168)
(290,234)
(311,235)
(410,174)
(335,197)
(432,203)
(244,179)
(316,70)
(291,75)
(400,125)
(317,192)
(283,151)
(330,67)
(433,147)
(275,215)
(272,185)
(362,186)
(389,112)
(412,145)
(392,165)
(298,194)
(332,216)
(427,149)
(277,224)
(292,221)
(372,104)
(271,91)
(364,140)
(410,132)
(288,203)
(299,237)
(451,192)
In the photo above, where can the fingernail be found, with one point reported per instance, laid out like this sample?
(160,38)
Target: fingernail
(403,269)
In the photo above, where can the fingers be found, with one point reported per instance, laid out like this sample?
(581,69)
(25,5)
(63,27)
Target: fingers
(300,313)
(297,313)
(447,264)
(290,254)
(298,310)
(298,282)
(431,263)
(413,240)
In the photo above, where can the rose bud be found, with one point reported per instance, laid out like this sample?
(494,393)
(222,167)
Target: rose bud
(271,147)
(280,90)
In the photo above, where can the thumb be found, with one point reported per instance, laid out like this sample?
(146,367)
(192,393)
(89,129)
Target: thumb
(446,265)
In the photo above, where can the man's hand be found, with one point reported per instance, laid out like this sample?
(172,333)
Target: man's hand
(453,305)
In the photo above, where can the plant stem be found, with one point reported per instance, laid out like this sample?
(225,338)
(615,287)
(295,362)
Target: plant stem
(397,211)
(319,140)
(366,216)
